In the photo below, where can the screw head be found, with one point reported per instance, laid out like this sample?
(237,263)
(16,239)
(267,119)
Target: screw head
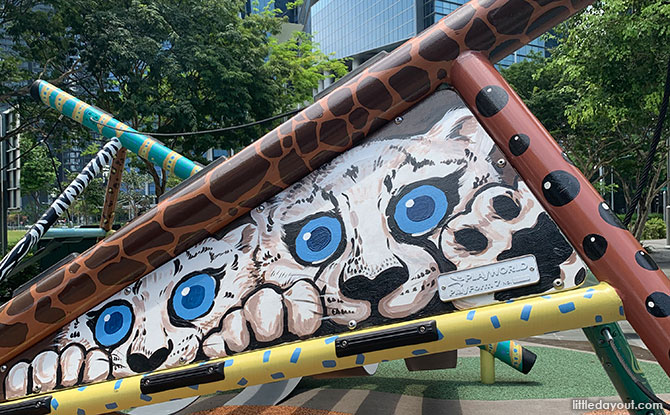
(558,283)
(532,268)
(443,287)
(398,120)
(344,343)
(3,368)
(127,291)
(502,162)
(260,208)
(37,388)
(182,359)
(352,324)
(422,329)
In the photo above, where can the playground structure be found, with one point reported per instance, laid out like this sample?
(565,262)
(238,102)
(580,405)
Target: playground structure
(358,231)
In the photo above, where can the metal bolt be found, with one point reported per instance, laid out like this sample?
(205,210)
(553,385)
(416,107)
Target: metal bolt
(3,368)
(260,208)
(532,268)
(502,163)
(344,343)
(127,291)
(443,287)
(558,283)
(210,370)
(398,120)
(37,388)
(352,324)
(422,329)
(182,359)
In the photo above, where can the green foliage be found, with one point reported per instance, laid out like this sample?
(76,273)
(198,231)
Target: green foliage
(599,93)
(168,66)
(301,65)
(37,172)
(654,228)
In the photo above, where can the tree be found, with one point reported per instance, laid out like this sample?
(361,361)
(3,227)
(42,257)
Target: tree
(88,206)
(37,174)
(169,66)
(606,79)
(133,200)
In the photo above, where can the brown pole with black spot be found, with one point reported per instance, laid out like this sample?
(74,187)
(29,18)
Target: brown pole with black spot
(610,251)
(216,197)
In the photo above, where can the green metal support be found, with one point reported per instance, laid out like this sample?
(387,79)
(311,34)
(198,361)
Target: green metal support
(624,384)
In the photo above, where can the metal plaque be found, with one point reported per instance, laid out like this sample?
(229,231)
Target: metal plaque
(503,275)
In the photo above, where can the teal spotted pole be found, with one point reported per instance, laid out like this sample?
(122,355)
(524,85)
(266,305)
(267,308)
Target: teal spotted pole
(99,121)
(513,354)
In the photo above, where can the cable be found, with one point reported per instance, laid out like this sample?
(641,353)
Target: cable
(652,150)
(216,130)
(651,395)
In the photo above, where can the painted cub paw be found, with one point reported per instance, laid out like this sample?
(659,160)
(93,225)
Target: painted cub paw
(264,313)
(41,375)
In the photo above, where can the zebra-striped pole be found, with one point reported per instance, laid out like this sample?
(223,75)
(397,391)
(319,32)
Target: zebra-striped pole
(60,205)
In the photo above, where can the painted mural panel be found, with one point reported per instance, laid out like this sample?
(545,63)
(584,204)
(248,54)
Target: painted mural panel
(360,241)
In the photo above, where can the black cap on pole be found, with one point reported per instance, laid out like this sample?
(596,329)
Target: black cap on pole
(35,90)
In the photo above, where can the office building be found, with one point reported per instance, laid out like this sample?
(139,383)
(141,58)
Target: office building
(359,29)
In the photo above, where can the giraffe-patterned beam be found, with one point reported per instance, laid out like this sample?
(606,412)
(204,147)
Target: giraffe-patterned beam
(103,123)
(283,156)
(611,252)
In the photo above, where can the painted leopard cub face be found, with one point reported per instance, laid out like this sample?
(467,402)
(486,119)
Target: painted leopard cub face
(169,317)
(377,226)
(363,238)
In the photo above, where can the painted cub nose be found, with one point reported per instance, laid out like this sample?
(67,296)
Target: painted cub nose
(374,289)
(139,362)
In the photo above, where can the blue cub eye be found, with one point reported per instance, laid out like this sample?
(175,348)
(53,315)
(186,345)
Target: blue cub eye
(194,297)
(421,209)
(318,239)
(113,325)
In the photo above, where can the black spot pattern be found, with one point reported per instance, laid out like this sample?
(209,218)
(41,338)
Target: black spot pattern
(511,18)
(609,216)
(480,36)
(490,100)
(658,304)
(506,207)
(645,260)
(560,188)
(411,83)
(594,246)
(471,239)
(518,144)
(438,47)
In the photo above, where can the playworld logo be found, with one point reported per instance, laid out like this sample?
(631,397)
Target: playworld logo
(516,272)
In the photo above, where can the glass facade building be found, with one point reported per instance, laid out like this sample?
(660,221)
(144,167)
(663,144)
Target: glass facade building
(361,28)
(352,27)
